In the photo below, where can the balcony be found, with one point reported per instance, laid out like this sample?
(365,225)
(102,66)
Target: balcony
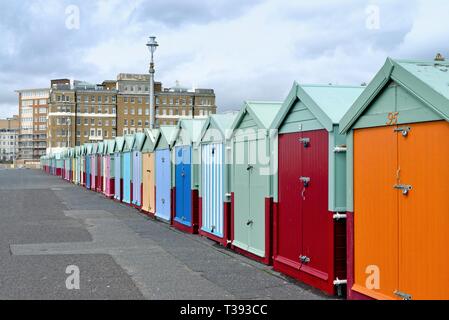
(95,138)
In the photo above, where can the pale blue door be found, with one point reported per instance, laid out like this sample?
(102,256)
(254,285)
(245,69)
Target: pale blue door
(127,163)
(163,184)
(212,188)
(137,177)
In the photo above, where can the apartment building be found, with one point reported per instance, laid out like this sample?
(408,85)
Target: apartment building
(80,112)
(9,139)
(171,104)
(61,115)
(96,112)
(32,137)
(71,114)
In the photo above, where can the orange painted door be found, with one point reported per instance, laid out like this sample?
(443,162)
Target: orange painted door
(375,212)
(424,211)
(148,200)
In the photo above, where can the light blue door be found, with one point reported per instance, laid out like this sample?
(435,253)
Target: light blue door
(88,170)
(183,185)
(163,184)
(137,177)
(212,188)
(118,175)
(127,170)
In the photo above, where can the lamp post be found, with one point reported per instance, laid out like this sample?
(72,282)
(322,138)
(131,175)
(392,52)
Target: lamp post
(152,45)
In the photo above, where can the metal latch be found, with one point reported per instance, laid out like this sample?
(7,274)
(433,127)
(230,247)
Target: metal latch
(305,142)
(404,131)
(305,181)
(183,174)
(304,259)
(338,216)
(249,167)
(249,222)
(402,295)
(183,218)
(404,188)
(148,170)
(212,229)
(340,149)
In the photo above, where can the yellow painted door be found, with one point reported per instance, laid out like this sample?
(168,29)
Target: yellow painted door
(424,211)
(375,212)
(148,199)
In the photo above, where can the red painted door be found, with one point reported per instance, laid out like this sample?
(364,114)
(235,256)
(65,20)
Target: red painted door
(316,221)
(289,237)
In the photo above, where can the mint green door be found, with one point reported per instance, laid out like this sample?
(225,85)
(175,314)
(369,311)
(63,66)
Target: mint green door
(257,184)
(241,195)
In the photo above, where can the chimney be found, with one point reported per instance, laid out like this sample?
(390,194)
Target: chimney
(439,57)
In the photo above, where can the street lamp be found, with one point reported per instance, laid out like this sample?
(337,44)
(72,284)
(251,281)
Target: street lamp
(152,45)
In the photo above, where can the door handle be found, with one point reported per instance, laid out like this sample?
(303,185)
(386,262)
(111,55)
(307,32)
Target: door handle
(148,170)
(305,142)
(404,188)
(304,259)
(249,167)
(249,222)
(404,131)
(305,181)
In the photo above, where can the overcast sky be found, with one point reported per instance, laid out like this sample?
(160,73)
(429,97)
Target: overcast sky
(244,49)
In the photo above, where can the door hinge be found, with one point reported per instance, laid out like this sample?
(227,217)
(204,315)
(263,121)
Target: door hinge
(404,188)
(305,181)
(403,130)
(402,295)
(304,259)
(305,142)
(339,284)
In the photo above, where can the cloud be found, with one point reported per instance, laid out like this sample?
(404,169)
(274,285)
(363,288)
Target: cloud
(245,50)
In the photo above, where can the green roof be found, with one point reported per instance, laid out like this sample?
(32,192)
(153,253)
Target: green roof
(168,134)
(110,145)
(129,142)
(139,140)
(119,144)
(190,129)
(427,80)
(152,136)
(222,121)
(263,113)
(328,103)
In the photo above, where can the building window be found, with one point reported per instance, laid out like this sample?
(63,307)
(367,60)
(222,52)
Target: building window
(147,112)
(92,132)
(99,122)
(92,121)
(113,99)
(125,131)
(78,133)
(147,123)
(139,111)
(133,100)
(99,133)
(106,133)
(132,111)
(139,100)
(86,121)
(86,99)
(125,122)
(125,111)
(99,99)
(92,99)
(106,99)
(113,133)
(106,123)
(132,122)
(99,109)
(114,110)
(113,122)
(85,133)
(78,121)
(125,99)
(139,123)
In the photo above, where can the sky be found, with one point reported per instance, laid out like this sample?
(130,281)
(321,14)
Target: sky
(243,49)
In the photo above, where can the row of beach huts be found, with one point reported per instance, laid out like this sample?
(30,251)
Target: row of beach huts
(344,188)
